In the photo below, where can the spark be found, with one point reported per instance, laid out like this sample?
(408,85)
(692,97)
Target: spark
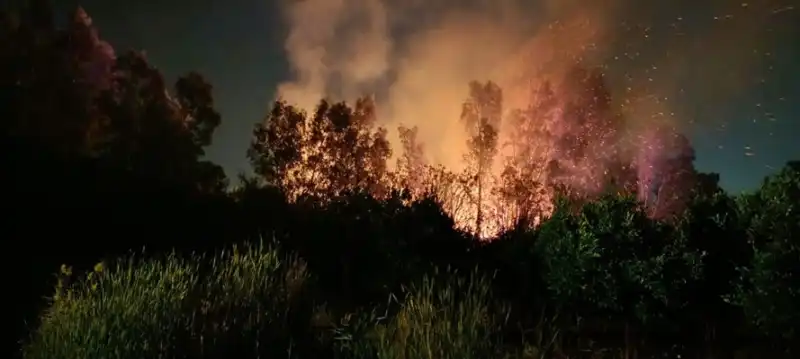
(783,9)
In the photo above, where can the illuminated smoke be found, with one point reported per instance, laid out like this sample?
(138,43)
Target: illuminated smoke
(418,56)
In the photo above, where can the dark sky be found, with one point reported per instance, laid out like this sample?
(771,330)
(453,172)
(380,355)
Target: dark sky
(238,46)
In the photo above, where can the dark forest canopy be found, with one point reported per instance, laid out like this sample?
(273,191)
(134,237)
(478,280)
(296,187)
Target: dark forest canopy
(69,91)
(561,236)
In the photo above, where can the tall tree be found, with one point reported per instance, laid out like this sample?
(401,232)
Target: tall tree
(770,289)
(712,225)
(47,98)
(481,115)
(529,146)
(196,108)
(360,148)
(90,61)
(277,144)
(666,172)
(199,118)
(587,135)
(411,164)
(156,134)
(66,90)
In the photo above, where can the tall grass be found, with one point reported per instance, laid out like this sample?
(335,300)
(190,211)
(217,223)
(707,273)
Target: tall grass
(251,303)
(443,317)
(239,302)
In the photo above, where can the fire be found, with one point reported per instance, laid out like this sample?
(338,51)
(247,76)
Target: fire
(418,67)
(565,138)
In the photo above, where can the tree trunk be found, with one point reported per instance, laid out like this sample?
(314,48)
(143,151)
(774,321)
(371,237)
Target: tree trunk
(630,351)
(710,340)
(479,217)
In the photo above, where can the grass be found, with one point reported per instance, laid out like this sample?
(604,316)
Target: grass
(253,303)
(445,316)
(235,302)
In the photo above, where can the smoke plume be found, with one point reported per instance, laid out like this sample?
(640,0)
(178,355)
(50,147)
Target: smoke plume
(662,61)
(417,57)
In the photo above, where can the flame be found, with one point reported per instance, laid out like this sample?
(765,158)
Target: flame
(417,57)
(561,138)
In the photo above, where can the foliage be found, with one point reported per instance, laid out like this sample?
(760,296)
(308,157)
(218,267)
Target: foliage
(712,225)
(609,257)
(769,293)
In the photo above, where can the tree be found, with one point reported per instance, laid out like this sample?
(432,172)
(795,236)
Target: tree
(411,165)
(610,261)
(770,289)
(336,150)
(588,133)
(666,172)
(481,115)
(67,91)
(155,134)
(524,176)
(360,149)
(48,96)
(711,224)
(196,107)
(277,141)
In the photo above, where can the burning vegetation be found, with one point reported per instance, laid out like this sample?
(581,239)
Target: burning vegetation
(568,139)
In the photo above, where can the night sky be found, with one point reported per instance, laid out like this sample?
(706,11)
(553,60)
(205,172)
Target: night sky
(238,46)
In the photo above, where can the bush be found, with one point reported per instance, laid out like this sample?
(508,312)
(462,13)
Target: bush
(237,302)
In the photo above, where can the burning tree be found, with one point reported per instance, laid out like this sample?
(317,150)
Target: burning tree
(338,149)
(666,172)
(568,139)
(587,136)
(411,165)
(481,115)
(523,181)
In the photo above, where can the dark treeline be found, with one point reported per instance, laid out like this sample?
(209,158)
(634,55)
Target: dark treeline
(104,160)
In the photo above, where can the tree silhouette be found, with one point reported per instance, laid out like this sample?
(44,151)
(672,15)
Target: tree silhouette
(152,132)
(769,292)
(411,164)
(481,115)
(711,224)
(48,93)
(525,177)
(276,145)
(668,176)
(338,149)
(68,91)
